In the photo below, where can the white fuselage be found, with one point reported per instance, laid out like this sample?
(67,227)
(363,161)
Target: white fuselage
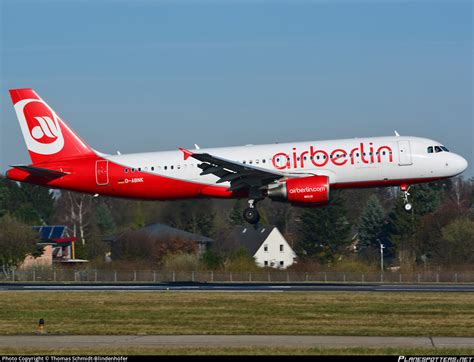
(346,161)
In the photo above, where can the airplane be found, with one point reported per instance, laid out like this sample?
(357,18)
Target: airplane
(300,173)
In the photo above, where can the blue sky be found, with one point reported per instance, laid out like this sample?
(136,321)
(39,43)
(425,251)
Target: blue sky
(157,75)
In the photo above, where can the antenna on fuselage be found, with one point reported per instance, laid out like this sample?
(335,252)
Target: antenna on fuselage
(397,134)
(197,147)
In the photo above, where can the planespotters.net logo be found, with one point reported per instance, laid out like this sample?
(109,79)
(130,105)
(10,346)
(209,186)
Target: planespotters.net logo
(435,359)
(40,126)
(307,190)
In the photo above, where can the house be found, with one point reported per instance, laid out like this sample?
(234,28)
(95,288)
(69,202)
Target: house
(267,245)
(165,231)
(56,247)
(162,231)
(44,260)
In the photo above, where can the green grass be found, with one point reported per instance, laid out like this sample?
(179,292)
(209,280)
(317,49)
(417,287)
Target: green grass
(325,313)
(241,351)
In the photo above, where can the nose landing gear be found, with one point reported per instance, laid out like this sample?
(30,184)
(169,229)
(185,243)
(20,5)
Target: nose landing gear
(251,214)
(404,189)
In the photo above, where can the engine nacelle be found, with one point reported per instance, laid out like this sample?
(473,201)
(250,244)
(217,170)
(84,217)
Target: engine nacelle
(303,191)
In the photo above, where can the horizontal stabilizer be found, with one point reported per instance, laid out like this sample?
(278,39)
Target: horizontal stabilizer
(41,172)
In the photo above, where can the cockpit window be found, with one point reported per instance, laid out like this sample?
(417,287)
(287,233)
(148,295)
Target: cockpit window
(430,149)
(438,149)
(444,148)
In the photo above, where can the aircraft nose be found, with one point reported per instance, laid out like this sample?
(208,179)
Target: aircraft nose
(460,164)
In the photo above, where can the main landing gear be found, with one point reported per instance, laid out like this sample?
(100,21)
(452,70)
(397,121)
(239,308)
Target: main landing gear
(251,214)
(404,189)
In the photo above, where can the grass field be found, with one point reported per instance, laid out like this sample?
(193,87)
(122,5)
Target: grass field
(326,313)
(244,351)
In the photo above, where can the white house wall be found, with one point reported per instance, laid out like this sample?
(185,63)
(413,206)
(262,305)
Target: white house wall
(273,256)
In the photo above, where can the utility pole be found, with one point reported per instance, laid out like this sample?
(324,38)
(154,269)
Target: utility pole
(381,255)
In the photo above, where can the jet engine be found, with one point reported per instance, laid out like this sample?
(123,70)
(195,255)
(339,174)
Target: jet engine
(301,191)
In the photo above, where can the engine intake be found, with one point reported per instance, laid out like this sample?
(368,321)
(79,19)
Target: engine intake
(302,190)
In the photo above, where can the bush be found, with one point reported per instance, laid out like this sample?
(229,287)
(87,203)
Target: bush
(241,261)
(139,246)
(354,266)
(181,262)
(211,260)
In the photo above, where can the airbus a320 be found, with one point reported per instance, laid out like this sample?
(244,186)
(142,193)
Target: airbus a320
(301,173)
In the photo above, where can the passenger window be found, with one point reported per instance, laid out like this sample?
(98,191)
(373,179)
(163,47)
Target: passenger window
(263,161)
(178,167)
(430,149)
(257,162)
(172,167)
(438,149)
(152,168)
(139,169)
(126,170)
(166,167)
(133,170)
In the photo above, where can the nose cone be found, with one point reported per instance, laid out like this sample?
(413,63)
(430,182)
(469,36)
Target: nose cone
(460,164)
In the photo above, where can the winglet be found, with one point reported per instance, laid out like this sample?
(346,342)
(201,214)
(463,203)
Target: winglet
(186,153)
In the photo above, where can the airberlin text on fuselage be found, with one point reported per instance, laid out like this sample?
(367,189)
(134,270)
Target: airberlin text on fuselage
(339,157)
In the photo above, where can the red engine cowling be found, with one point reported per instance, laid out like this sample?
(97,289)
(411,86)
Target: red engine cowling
(302,191)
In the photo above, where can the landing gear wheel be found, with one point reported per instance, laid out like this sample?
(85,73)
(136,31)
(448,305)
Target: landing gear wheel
(251,215)
(404,189)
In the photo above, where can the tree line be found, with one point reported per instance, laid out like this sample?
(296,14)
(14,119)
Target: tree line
(437,232)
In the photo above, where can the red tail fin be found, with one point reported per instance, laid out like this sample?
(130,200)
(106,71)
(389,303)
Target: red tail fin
(47,137)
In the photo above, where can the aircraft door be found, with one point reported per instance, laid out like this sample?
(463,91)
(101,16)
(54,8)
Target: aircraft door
(404,153)
(102,172)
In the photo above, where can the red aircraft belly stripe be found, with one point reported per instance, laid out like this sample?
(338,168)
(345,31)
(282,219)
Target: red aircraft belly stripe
(142,185)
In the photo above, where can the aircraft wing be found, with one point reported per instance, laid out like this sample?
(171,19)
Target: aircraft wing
(240,175)
(41,172)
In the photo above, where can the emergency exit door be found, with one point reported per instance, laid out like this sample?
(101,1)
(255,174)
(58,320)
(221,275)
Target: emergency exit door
(404,153)
(102,172)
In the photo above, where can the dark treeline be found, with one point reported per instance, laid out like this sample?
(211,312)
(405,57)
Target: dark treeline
(437,233)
